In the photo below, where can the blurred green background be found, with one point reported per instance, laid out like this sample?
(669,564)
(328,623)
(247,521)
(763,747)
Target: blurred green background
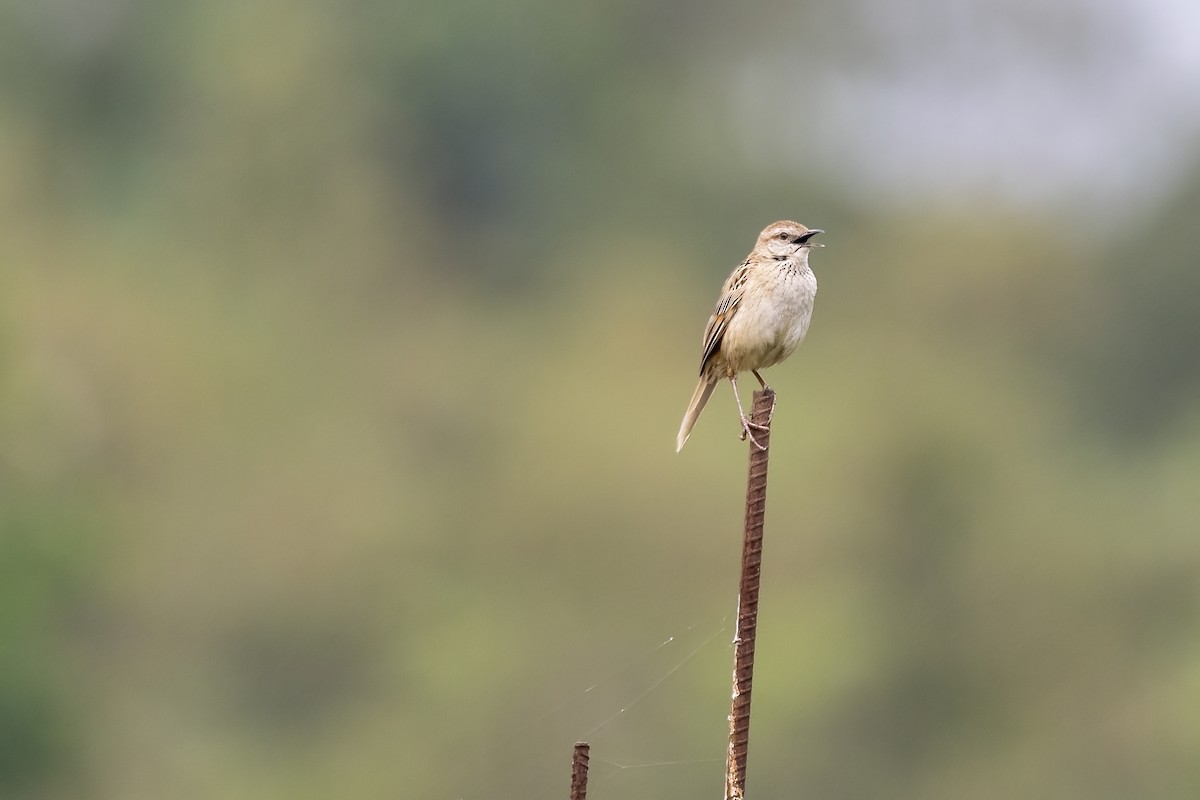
(343,346)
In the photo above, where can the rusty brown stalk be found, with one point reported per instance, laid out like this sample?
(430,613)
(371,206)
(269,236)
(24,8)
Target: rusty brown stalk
(747,618)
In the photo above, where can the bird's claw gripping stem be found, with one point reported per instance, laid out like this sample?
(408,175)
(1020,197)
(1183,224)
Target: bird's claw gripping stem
(747,425)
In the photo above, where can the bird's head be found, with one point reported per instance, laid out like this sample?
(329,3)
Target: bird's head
(787,239)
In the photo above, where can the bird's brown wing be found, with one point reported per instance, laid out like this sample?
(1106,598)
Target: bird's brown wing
(727,306)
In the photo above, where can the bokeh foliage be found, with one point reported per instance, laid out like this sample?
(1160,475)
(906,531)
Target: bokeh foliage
(342,348)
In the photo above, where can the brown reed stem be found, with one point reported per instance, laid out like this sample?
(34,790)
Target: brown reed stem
(579,771)
(747,621)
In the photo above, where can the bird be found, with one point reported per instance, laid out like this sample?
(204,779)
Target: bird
(761,317)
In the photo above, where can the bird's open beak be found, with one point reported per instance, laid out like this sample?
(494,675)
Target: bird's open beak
(806,239)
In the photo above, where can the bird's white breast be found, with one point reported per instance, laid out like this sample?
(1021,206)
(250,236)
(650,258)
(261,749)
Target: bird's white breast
(773,317)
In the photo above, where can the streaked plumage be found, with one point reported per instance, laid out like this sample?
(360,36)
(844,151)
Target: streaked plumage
(761,317)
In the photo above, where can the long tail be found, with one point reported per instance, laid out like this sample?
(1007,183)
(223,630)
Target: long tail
(704,390)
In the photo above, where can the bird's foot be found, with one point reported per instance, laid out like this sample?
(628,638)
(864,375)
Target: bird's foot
(766,390)
(747,425)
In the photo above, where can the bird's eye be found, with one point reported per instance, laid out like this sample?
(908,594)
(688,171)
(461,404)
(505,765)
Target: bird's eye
(781,235)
